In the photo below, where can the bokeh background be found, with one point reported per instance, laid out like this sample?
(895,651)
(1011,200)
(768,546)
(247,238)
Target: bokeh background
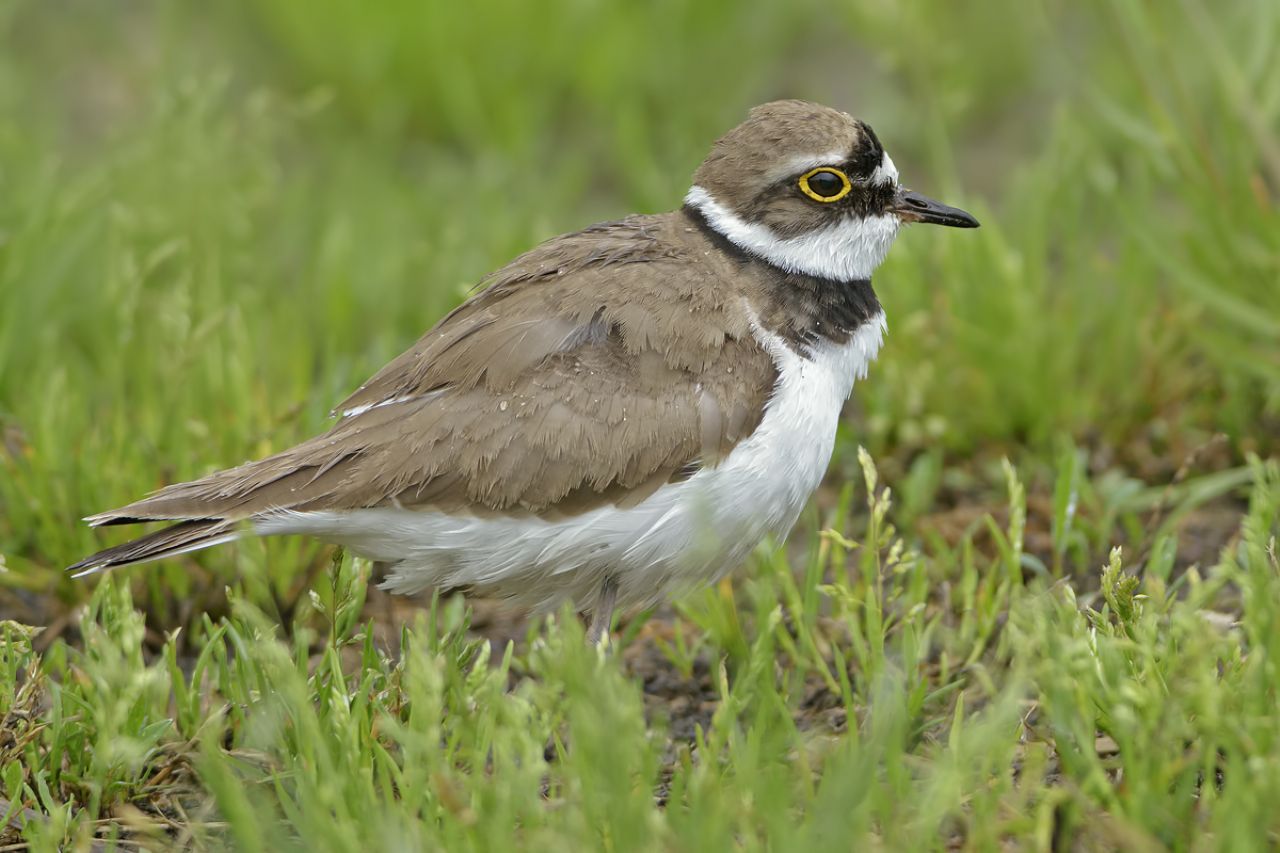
(217,218)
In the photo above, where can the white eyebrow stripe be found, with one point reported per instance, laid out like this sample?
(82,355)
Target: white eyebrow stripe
(886,172)
(805,162)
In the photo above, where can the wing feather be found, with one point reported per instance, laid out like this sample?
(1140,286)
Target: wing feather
(591,370)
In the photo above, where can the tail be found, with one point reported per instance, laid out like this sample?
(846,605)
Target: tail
(224,505)
(178,539)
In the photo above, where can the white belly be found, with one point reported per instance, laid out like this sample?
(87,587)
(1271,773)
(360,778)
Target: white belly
(685,534)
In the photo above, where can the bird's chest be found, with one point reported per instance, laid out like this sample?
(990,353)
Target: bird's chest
(768,478)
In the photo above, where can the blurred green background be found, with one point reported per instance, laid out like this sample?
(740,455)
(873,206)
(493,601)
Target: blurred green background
(218,218)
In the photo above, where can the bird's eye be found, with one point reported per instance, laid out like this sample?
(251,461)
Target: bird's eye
(825,184)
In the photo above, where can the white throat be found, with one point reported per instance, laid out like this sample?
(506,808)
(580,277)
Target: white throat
(846,250)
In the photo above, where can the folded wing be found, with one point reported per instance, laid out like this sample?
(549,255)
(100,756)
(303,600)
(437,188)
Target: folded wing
(592,370)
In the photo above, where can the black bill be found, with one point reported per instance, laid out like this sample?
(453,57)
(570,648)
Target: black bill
(911,206)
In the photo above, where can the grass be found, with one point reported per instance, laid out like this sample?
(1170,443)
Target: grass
(1061,631)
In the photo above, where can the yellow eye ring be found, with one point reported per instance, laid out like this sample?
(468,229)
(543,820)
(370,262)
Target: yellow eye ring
(826,172)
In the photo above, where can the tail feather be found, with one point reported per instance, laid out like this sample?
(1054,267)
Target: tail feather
(178,539)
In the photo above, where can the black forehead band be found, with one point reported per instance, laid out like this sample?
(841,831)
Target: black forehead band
(870,138)
(868,153)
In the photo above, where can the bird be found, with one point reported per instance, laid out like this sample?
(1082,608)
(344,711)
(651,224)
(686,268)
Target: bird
(617,416)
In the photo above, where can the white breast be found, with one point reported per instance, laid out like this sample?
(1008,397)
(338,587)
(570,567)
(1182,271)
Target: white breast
(685,534)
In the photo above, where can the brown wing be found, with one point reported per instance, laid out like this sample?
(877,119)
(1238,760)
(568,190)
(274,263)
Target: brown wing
(592,370)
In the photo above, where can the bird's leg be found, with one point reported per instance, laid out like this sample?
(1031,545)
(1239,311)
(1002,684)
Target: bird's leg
(602,613)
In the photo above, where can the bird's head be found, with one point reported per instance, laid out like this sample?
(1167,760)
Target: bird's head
(810,189)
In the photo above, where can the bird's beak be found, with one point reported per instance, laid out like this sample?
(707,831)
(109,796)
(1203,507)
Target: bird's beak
(911,206)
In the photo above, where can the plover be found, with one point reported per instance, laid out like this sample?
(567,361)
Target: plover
(622,413)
